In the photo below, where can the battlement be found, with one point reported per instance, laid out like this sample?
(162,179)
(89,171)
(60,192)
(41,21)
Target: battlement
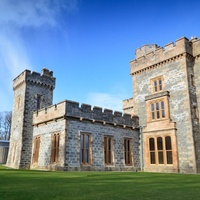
(71,109)
(150,55)
(45,78)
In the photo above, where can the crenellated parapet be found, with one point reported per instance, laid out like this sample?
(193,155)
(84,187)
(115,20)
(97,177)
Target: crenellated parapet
(152,56)
(45,79)
(70,109)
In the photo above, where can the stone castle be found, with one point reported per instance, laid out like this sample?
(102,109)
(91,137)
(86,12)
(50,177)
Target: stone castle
(158,132)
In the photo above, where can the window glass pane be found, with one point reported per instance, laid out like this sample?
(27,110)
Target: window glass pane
(152,115)
(159,143)
(169,157)
(162,105)
(168,143)
(109,144)
(152,107)
(152,158)
(155,86)
(160,157)
(160,84)
(86,141)
(158,115)
(128,145)
(81,141)
(86,160)
(151,144)
(157,106)
(163,114)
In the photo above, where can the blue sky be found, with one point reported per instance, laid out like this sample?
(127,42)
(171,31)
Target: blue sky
(87,43)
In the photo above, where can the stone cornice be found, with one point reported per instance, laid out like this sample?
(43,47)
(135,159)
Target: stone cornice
(156,95)
(142,70)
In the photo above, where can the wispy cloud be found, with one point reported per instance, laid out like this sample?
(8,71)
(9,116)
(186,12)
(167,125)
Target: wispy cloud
(31,13)
(112,99)
(105,100)
(14,16)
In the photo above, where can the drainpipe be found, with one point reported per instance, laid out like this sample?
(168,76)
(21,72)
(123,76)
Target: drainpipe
(141,149)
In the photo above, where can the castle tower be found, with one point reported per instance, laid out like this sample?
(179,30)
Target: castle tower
(166,87)
(32,91)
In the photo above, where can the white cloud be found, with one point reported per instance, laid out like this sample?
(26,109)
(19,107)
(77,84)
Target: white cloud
(15,15)
(105,100)
(35,13)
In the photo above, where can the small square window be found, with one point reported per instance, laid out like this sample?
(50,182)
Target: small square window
(157,84)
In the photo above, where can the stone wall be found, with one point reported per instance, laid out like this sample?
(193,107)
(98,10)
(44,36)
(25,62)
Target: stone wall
(70,120)
(175,63)
(97,131)
(26,88)
(45,131)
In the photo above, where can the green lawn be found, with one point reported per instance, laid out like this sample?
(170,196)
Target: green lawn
(24,184)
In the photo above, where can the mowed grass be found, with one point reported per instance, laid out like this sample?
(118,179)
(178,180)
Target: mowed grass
(25,184)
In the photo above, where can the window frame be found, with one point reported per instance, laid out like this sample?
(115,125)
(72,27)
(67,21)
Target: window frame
(108,149)
(157,110)
(157,84)
(55,147)
(36,149)
(85,149)
(128,151)
(164,151)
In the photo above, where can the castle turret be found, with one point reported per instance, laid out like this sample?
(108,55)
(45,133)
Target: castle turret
(32,91)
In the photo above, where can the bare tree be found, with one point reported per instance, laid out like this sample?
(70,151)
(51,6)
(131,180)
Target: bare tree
(5,125)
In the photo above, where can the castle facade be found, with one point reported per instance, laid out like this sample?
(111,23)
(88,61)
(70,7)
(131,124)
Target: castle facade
(159,130)
(66,136)
(166,98)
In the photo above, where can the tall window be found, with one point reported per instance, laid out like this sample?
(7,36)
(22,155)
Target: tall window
(55,147)
(157,84)
(152,151)
(157,110)
(85,148)
(127,151)
(168,150)
(108,150)
(39,102)
(161,151)
(36,149)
